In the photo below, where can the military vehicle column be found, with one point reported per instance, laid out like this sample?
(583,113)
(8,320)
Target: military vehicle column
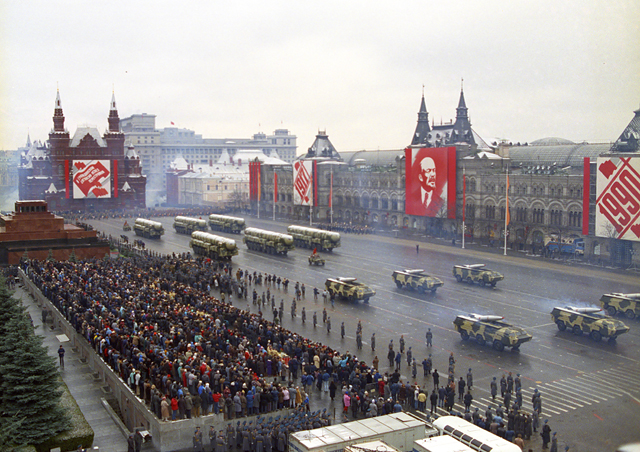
(186,225)
(267,241)
(314,238)
(148,228)
(213,246)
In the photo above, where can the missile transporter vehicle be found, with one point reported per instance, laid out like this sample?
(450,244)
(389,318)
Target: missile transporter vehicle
(148,228)
(314,238)
(224,223)
(315,259)
(625,303)
(476,273)
(588,320)
(213,246)
(348,288)
(186,225)
(267,241)
(490,329)
(417,280)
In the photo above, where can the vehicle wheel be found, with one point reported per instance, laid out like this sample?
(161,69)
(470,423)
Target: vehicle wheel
(458,278)
(352,298)
(470,280)
(612,339)
(483,283)
(498,345)
(493,284)
(515,348)
(611,310)
(323,264)
(630,314)
(464,335)
(480,339)
(366,300)
(561,325)
(433,290)
(420,289)
(596,336)
(577,330)
(398,284)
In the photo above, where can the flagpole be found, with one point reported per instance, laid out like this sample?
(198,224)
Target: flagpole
(275,192)
(506,214)
(331,195)
(464,202)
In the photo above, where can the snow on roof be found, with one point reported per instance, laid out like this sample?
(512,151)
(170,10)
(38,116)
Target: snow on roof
(83,131)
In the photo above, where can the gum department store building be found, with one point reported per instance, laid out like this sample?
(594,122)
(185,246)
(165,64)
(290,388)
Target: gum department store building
(545,196)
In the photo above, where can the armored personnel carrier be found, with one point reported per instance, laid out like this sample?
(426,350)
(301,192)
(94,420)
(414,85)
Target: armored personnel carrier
(588,320)
(490,329)
(417,280)
(627,303)
(349,288)
(316,259)
(126,227)
(476,273)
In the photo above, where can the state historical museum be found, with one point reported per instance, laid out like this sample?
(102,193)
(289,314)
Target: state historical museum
(87,172)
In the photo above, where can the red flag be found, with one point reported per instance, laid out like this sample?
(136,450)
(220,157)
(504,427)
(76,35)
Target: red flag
(275,187)
(508,217)
(172,123)
(315,250)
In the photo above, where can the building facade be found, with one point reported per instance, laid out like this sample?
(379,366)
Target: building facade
(158,148)
(85,172)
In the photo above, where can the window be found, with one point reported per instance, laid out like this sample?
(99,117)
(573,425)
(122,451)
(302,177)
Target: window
(575,219)
(490,212)
(470,211)
(555,217)
(538,215)
(521,214)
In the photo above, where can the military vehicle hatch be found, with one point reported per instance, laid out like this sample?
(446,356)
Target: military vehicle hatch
(490,329)
(588,320)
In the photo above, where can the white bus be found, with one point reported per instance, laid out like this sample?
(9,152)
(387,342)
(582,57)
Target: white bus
(473,436)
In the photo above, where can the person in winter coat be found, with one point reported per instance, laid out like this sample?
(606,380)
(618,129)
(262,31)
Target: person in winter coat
(546,434)
(164,409)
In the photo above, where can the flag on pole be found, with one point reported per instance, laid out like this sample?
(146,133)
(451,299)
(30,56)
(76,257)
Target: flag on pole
(507,215)
(464,197)
(258,181)
(315,250)
(331,192)
(275,186)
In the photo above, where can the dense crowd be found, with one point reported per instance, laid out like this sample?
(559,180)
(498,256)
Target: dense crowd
(187,353)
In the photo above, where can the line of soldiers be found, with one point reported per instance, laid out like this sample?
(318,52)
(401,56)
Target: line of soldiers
(266,434)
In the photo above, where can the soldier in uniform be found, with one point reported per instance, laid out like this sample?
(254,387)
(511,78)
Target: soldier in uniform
(494,388)
(328,324)
(429,337)
(304,315)
(402,343)
(503,385)
(342,330)
(197,441)
(373,342)
(212,438)
(220,446)
(315,318)
(469,379)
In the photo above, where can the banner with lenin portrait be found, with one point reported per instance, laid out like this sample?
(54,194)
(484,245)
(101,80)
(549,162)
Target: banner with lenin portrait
(430,182)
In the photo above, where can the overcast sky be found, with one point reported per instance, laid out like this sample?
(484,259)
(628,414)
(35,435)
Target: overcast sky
(531,69)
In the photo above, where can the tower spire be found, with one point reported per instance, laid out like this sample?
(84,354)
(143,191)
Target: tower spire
(114,119)
(58,115)
(421,134)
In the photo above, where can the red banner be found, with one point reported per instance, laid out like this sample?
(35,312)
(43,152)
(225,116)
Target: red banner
(254,181)
(430,186)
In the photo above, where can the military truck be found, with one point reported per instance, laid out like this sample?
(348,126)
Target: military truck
(148,228)
(588,320)
(314,238)
(476,273)
(268,241)
(186,225)
(416,280)
(348,288)
(224,223)
(627,303)
(490,329)
(126,227)
(213,246)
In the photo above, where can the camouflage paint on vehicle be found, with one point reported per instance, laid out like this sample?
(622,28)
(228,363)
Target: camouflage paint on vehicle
(349,288)
(417,280)
(225,223)
(213,246)
(587,320)
(148,228)
(625,303)
(490,329)
(476,273)
(315,259)
(186,225)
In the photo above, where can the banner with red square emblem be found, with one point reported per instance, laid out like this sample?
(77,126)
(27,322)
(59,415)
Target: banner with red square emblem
(302,179)
(91,179)
(618,198)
